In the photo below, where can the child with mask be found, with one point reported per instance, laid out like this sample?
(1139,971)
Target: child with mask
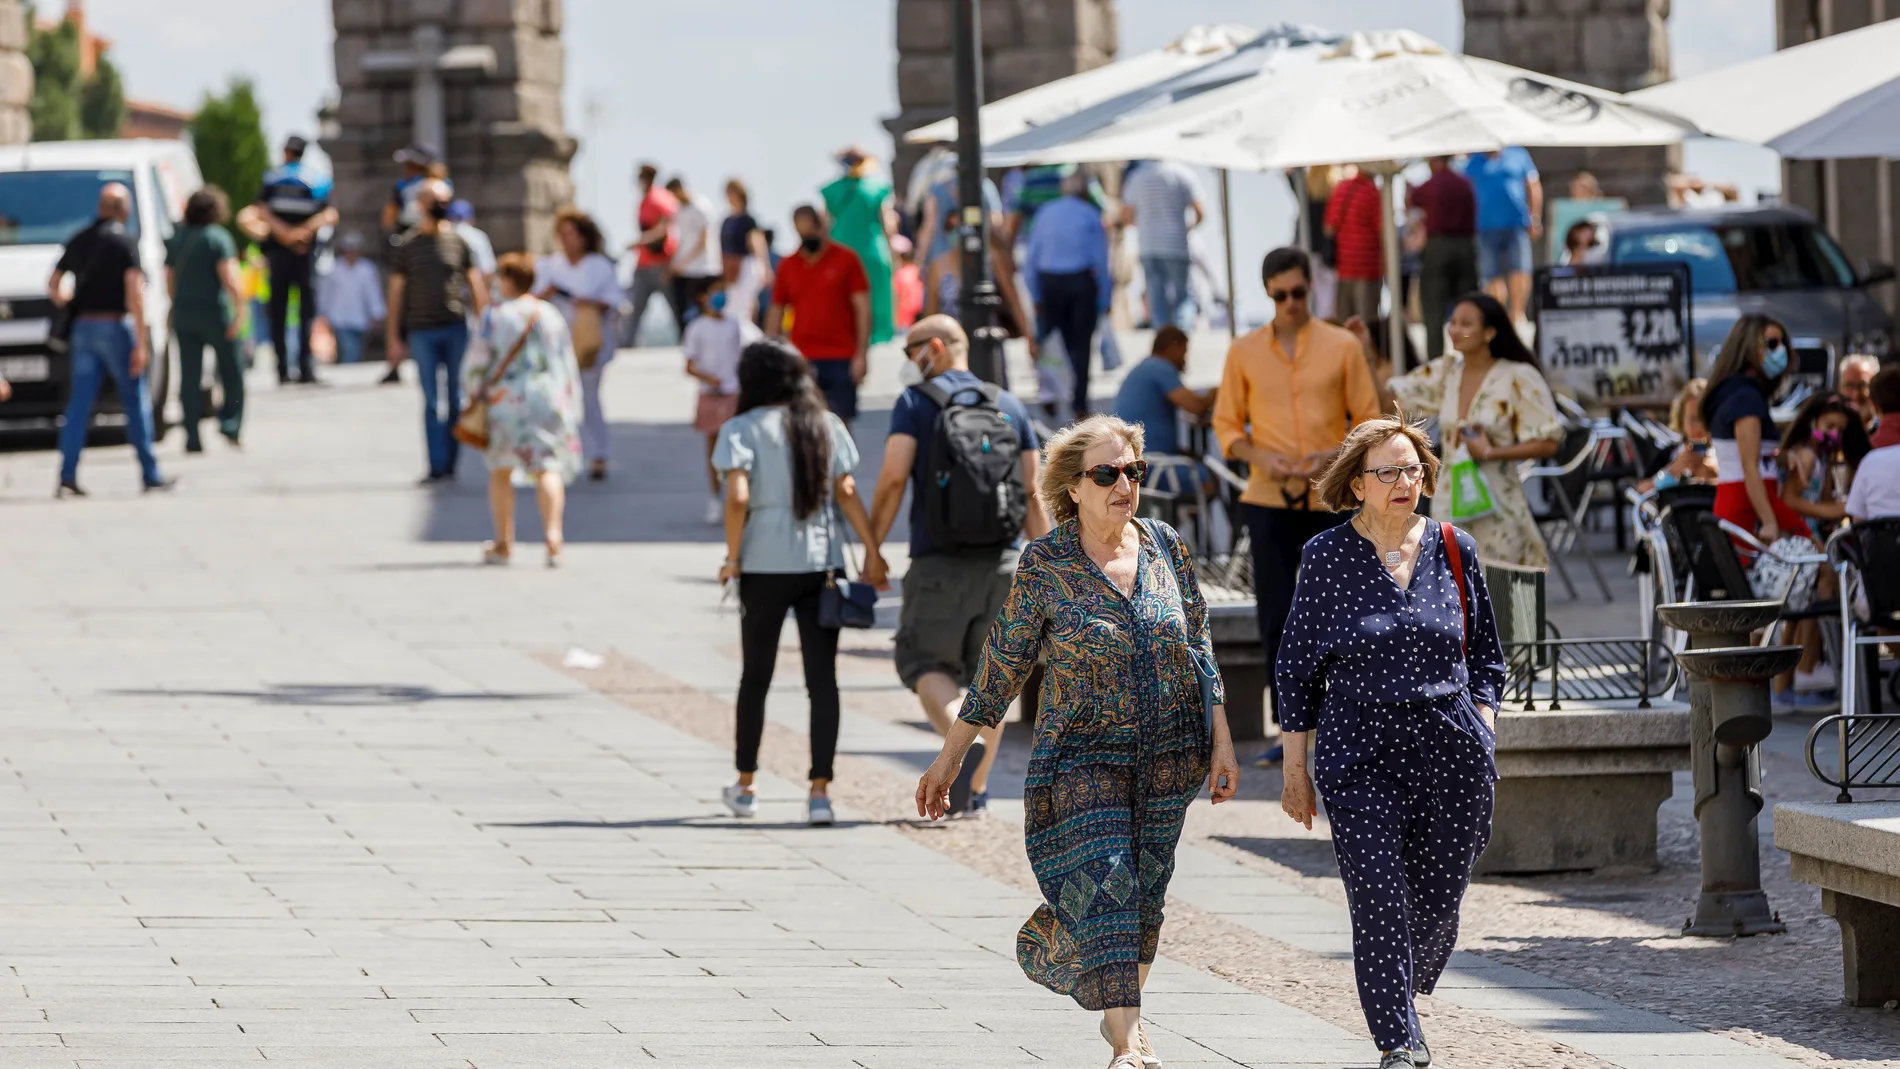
(712,345)
(1819,453)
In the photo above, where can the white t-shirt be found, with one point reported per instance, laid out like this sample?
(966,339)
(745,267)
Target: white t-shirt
(714,343)
(1876,490)
(592,279)
(697,255)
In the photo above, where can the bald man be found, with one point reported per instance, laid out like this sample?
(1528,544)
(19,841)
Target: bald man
(108,336)
(952,593)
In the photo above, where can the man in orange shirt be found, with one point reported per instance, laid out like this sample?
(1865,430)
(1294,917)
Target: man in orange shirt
(1290,392)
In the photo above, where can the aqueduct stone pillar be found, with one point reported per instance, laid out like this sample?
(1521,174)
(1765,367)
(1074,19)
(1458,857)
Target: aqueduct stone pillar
(487,75)
(1616,44)
(1025,43)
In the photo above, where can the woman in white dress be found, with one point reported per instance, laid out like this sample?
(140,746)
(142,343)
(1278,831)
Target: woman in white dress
(580,281)
(1490,397)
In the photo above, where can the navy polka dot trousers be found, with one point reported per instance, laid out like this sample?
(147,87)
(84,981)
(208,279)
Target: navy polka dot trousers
(1390,679)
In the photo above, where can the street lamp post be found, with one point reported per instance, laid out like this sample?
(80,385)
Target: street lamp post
(981,304)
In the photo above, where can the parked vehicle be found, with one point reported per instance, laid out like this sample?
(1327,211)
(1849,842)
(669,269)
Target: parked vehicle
(49,191)
(1774,261)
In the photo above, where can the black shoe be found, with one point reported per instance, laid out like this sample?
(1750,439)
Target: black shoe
(162,485)
(1422,1057)
(433,477)
(392,377)
(309,380)
(960,787)
(1398,1059)
(233,439)
(194,447)
(68,489)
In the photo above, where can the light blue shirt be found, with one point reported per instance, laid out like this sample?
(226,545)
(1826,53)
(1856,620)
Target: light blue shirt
(1143,399)
(775,540)
(1068,238)
(351,296)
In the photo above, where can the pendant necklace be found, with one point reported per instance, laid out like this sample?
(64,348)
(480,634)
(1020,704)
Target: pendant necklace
(1391,557)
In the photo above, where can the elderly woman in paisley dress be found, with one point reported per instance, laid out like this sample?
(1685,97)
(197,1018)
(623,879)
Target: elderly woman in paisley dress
(1122,745)
(1490,395)
(534,407)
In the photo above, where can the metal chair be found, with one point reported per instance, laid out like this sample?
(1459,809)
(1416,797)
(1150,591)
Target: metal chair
(1662,554)
(1722,576)
(1568,481)
(1866,557)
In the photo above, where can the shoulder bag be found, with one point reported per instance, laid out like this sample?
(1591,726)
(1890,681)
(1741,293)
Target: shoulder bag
(844,602)
(589,334)
(1456,554)
(1205,670)
(471,427)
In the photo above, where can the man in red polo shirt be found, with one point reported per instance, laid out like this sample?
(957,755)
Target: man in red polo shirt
(1352,220)
(824,287)
(655,244)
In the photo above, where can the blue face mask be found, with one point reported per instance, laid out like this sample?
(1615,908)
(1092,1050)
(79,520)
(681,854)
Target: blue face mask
(1774,360)
(717,302)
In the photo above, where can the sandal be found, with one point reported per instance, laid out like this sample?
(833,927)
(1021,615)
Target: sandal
(1142,1048)
(495,554)
(1126,1061)
(555,545)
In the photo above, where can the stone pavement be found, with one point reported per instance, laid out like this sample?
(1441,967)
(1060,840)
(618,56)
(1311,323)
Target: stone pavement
(288,779)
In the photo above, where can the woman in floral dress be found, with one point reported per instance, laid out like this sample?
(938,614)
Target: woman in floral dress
(1122,738)
(534,406)
(1490,396)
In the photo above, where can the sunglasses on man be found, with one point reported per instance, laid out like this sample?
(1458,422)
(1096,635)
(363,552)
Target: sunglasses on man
(1106,475)
(1297,293)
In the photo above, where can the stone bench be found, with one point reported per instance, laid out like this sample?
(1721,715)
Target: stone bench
(1578,788)
(1851,852)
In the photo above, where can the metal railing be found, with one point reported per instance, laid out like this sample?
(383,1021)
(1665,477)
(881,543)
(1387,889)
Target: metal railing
(1866,754)
(1557,670)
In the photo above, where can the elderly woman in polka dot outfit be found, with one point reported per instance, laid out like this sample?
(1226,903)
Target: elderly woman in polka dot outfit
(1389,673)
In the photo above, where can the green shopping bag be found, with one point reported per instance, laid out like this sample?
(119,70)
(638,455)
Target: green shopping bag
(1470,490)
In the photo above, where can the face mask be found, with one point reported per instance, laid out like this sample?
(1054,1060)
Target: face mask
(811,244)
(1827,441)
(439,211)
(909,374)
(1774,361)
(717,302)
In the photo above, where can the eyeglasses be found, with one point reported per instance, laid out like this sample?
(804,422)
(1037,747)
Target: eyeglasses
(911,348)
(1297,293)
(1106,475)
(1391,473)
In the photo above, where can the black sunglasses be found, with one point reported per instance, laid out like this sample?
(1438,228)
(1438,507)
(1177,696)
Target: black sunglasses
(1297,293)
(1106,475)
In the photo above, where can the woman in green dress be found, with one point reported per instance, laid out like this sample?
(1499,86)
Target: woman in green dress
(859,205)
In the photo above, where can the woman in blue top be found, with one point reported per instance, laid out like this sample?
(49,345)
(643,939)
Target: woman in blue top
(1391,658)
(1742,433)
(786,461)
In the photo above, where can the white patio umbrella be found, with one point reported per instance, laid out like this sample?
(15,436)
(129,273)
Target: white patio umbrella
(1063,97)
(1836,97)
(1392,95)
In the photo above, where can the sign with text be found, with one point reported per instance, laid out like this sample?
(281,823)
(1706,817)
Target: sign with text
(1612,335)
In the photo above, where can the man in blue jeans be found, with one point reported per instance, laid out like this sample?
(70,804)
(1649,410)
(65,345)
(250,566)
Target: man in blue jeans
(1162,200)
(1510,200)
(108,336)
(433,283)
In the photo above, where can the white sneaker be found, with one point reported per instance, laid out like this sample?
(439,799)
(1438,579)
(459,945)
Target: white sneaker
(818,812)
(1822,678)
(715,510)
(742,802)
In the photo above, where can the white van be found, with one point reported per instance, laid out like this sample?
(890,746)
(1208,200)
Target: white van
(49,191)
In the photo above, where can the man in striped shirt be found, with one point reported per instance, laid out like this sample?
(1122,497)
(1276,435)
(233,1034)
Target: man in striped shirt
(1158,199)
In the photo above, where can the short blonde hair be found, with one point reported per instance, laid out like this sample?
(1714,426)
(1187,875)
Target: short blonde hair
(1335,487)
(1062,459)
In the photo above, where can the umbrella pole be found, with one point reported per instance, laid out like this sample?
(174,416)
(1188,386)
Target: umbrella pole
(1303,226)
(1227,247)
(1389,241)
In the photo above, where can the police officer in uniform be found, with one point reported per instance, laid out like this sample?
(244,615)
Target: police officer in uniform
(292,207)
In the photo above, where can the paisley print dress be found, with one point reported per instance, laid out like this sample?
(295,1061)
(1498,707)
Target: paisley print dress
(1120,750)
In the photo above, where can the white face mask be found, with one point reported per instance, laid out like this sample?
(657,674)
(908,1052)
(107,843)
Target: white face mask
(909,374)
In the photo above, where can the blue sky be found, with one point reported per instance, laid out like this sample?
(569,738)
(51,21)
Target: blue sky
(765,89)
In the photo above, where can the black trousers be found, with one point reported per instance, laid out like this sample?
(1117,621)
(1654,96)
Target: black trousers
(1070,306)
(1447,271)
(764,598)
(289,269)
(1277,535)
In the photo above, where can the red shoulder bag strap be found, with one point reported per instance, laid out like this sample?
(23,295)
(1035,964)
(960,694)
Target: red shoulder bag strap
(1457,557)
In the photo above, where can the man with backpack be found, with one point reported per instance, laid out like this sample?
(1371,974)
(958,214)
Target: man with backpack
(968,451)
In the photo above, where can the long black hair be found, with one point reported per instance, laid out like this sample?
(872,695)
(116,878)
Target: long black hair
(1506,344)
(773,373)
(1854,442)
